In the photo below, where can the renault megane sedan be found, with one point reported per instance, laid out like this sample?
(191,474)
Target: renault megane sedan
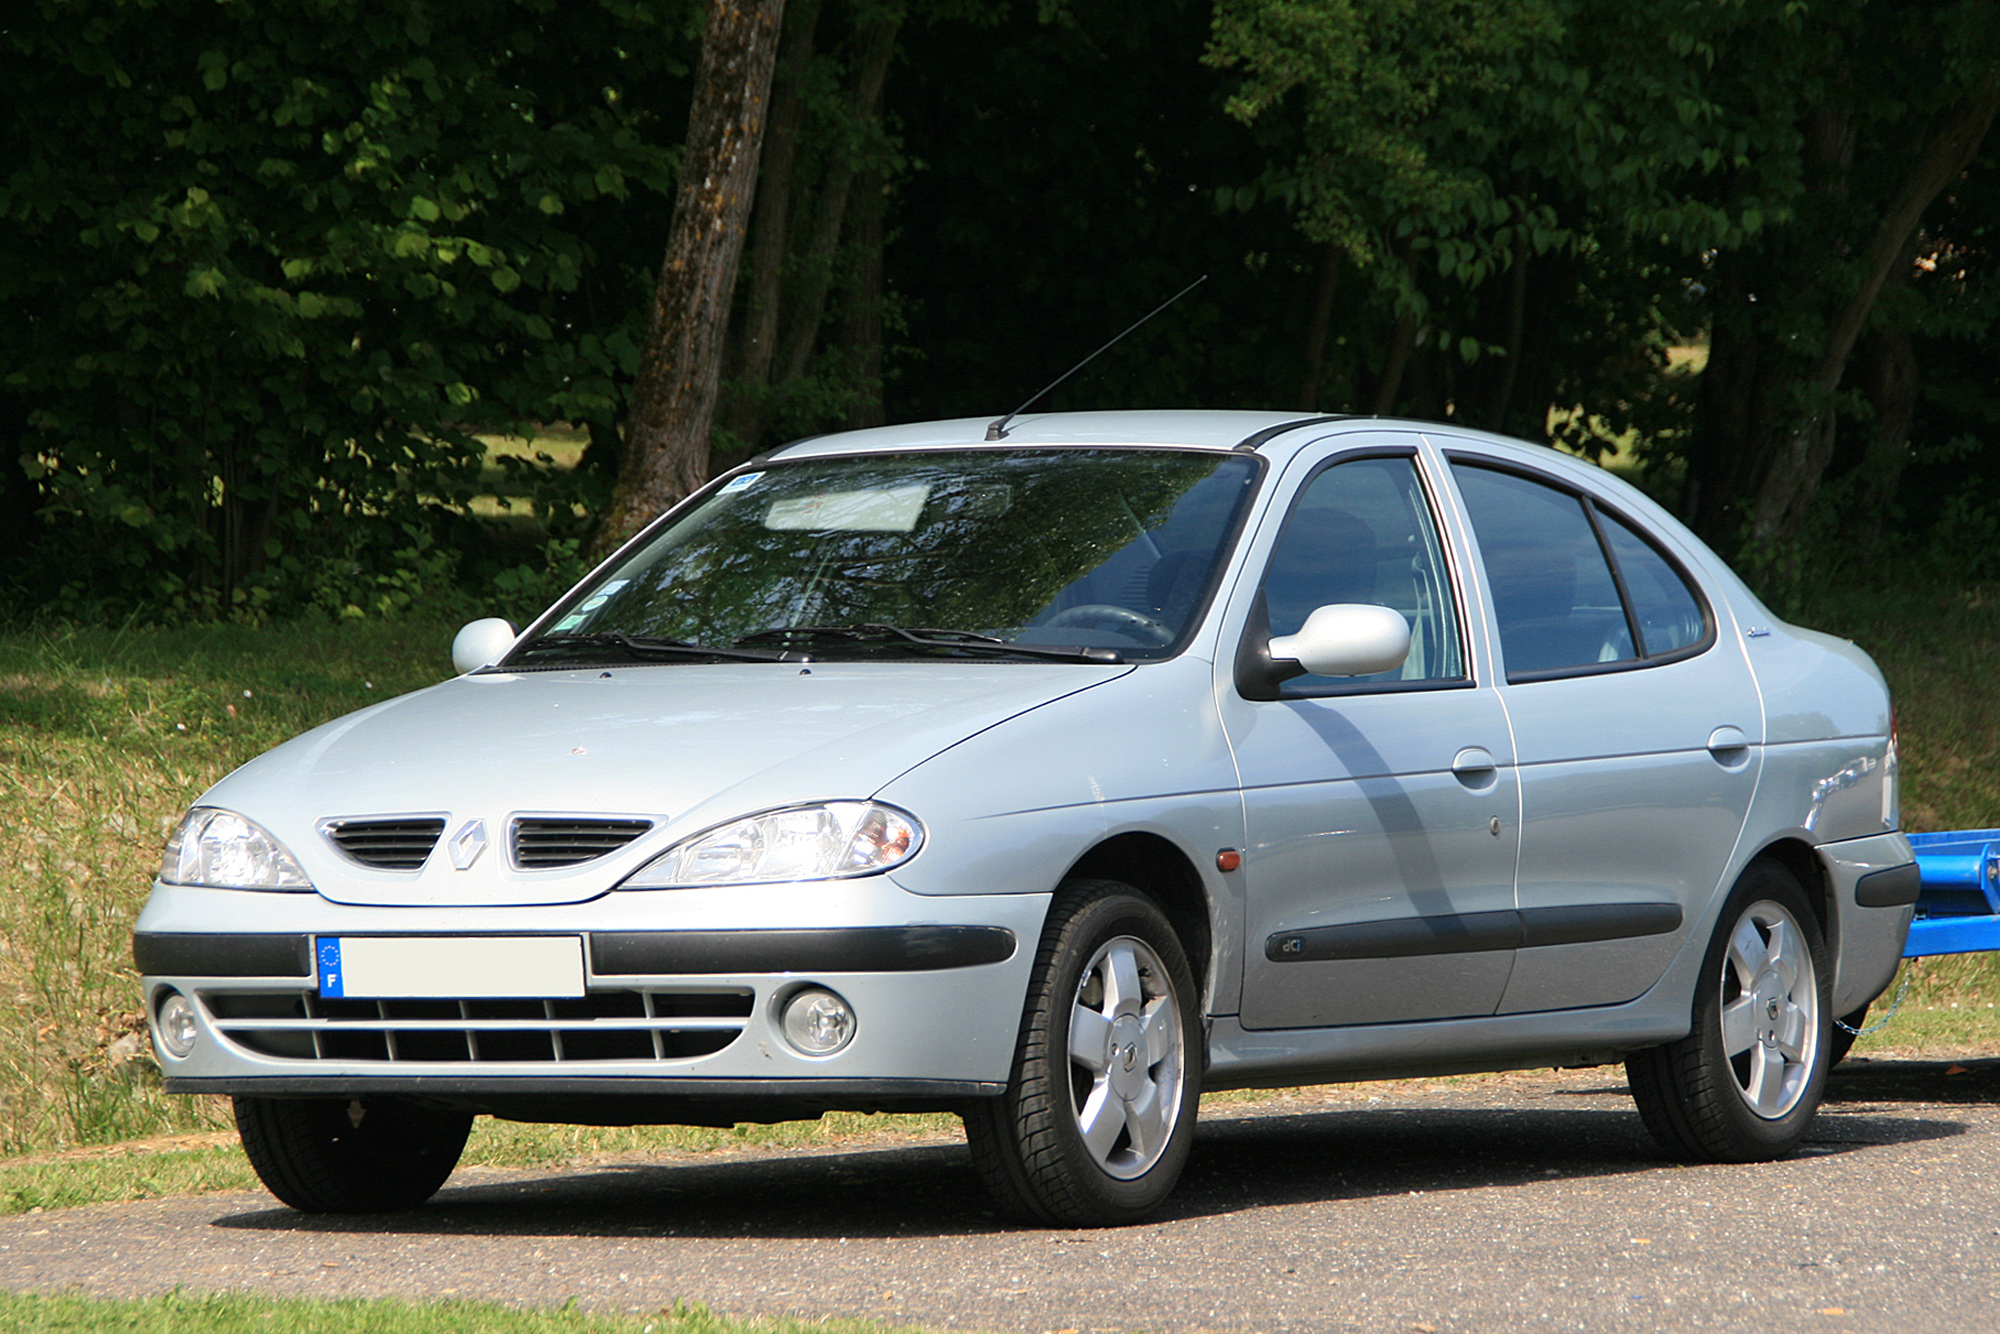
(1054,773)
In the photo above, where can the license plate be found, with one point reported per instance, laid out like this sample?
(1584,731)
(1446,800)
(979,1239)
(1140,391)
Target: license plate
(450,967)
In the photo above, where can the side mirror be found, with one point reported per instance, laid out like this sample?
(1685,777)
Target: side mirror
(1347,639)
(482,643)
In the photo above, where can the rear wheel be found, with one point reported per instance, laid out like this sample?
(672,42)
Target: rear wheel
(351,1155)
(1745,1082)
(1098,1117)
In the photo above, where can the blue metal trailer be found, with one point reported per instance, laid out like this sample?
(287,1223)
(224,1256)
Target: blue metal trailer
(1958,911)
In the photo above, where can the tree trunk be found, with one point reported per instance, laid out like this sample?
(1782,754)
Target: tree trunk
(771,227)
(863,332)
(816,273)
(1886,369)
(1322,320)
(1510,370)
(680,369)
(1804,449)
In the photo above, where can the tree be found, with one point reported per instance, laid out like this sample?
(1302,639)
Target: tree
(666,454)
(817,232)
(266,271)
(1886,111)
(1753,170)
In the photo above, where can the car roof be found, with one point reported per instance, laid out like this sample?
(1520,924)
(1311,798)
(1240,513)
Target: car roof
(1166,428)
(1175,428)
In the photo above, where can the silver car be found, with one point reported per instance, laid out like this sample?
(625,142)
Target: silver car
(1053,779)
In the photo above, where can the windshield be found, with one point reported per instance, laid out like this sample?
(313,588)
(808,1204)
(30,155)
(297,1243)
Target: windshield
(1092,554)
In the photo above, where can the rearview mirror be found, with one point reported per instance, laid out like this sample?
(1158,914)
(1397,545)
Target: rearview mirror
(1347,639)
(481,643)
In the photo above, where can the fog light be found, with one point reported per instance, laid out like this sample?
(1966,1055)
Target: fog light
(818,1022)
(176,1024)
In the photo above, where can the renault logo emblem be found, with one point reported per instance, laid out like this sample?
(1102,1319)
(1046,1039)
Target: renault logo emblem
(467,844)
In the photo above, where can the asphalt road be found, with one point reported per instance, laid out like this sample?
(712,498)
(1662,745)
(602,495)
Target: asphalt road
(1502,1203)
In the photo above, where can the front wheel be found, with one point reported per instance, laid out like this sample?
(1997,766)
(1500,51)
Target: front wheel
(1745,1082)
(351,1155)
(1098,1117)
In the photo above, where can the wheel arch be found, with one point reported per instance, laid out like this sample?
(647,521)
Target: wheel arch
(1797,856)
(1161,871)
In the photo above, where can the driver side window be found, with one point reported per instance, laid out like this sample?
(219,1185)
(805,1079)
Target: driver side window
(1362,532)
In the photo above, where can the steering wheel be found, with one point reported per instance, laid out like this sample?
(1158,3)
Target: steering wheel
(1146,629)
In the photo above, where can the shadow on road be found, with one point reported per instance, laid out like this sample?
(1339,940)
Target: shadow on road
(1243,1159)
(1859,1079)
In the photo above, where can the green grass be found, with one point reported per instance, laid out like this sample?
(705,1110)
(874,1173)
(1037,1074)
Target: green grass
(234,1313)
(1937,645)
(557,447)
(105,737)
(199,1164)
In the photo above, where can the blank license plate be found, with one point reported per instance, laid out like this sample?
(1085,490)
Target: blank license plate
(450,967)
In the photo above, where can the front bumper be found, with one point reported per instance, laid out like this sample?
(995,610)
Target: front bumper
(680,1016)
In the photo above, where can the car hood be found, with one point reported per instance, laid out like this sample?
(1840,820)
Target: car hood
(684,747)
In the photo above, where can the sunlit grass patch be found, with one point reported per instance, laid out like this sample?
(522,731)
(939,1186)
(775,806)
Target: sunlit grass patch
(1937,646)
(144,1170)
(1950,1007)
(554,447)
(244,1313)
(105,737)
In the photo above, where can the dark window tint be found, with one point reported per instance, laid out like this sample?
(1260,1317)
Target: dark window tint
(1362,532)
(1668,612)
(1553,595)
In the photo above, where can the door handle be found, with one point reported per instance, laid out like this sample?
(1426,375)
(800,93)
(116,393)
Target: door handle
(1473,762)
(1724,739)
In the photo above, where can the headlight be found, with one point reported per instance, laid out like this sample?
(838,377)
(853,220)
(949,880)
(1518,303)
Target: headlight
(222,850)
(823,842)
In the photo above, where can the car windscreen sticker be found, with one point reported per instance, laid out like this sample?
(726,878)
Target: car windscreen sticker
(743,483)
(331,975)
(891,510)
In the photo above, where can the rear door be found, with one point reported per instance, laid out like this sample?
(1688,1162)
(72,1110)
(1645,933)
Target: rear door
(1636,729)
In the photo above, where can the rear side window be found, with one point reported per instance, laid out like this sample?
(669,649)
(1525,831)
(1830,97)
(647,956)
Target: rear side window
(1574,588)
(1667,610)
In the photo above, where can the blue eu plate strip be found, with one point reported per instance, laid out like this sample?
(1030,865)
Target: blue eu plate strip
(331,975)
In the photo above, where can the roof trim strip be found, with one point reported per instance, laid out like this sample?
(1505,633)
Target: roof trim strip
(1252,443)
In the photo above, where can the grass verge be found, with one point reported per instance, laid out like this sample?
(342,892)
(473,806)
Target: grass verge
(213,1161)
(105,737)
(233,1313)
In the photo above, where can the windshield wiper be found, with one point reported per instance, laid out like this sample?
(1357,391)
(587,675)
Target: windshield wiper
(649,646)
(874,632)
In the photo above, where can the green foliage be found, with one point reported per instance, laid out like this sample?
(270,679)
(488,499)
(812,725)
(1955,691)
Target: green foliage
(265,271)
(1442,143)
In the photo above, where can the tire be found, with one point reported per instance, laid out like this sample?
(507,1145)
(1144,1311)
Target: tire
(1746,1081)
(350,1155)
(1840,1038)
(1099,1114)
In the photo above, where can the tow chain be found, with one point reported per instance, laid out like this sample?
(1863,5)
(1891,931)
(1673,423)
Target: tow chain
(1909,969)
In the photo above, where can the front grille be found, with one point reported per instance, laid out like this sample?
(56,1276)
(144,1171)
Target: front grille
(598,1027)
(541,842)
(386,845)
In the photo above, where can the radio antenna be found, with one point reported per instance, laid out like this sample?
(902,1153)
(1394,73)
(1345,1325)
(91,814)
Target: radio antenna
(998,430)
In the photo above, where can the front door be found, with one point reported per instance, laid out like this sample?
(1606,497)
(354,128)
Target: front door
(1382,812)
